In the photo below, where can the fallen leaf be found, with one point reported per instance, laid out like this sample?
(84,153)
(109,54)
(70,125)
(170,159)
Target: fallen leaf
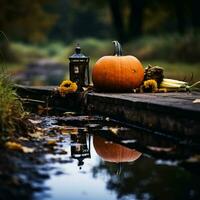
(196,101)
(37,134)
(51,142)
(23,138)
(69,130)
(35,121)
(27,149)
(195,158)
(18,147)
(160,149)
(69,113)
(114,130)
(13,146)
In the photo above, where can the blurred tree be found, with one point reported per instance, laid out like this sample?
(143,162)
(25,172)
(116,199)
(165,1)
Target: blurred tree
(195,14)
(60,31)
(180,15)
(116,11)
(5,52)
(128,25)
(25,20)
(142,178)
(136,17)
(78,19)
(127,16)
(125,20)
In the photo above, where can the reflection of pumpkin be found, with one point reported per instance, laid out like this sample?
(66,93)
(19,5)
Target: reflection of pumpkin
(117,73)
(113,152)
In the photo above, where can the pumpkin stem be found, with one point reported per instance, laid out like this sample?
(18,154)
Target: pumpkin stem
(117,48)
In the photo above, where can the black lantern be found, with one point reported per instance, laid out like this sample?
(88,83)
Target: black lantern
(79,68)
(80,147)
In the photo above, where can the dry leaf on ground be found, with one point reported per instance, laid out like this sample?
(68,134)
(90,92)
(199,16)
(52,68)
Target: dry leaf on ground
(196,101)
(18,147)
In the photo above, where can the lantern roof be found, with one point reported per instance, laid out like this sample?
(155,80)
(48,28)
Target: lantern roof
(78,54)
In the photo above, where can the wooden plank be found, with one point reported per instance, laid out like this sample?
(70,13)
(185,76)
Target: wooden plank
(169,113)
(183,104)
(179,101)
(49,99)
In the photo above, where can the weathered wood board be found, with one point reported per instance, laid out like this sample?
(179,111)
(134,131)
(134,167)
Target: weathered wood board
(48,98)
(170,113)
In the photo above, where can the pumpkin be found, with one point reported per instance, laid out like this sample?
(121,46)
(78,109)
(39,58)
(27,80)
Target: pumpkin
(113,152)
(117,73)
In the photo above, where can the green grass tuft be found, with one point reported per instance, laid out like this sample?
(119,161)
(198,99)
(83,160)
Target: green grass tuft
(173,48)
(11,110)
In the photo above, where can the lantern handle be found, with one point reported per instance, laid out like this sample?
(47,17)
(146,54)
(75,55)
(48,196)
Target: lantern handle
(78,49)
(117,48)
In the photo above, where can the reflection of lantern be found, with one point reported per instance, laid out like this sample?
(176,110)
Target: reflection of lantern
(113,152)
(79,68)
(80,147)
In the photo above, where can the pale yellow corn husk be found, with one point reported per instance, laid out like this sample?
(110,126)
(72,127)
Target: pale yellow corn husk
(174,81)
(173,84)
(169,85)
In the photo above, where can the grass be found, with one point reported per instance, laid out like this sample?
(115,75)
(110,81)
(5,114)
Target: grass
(173,47)
(11,110)
(27,53)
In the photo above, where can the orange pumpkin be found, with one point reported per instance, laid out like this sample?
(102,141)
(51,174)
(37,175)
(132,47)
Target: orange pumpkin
(113,152)
(117,73)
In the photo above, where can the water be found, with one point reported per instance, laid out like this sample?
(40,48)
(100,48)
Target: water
(78,183)
(145,166)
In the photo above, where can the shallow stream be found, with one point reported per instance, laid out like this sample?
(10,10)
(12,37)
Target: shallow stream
(80,157)
(98,158)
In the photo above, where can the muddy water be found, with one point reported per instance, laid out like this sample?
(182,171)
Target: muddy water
(97,158)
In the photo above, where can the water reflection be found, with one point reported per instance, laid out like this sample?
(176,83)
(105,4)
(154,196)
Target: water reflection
(154,145)
(156,173)
(145,179)
(113,152)
(80,147)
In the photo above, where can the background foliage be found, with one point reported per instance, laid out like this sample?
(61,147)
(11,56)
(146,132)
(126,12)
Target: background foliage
(70,19)
(156,31)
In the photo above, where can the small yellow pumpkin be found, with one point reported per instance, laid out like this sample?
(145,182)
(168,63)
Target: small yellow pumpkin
(117,73)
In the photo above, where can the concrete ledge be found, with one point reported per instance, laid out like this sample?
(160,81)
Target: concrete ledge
(170,113)
(49,99)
